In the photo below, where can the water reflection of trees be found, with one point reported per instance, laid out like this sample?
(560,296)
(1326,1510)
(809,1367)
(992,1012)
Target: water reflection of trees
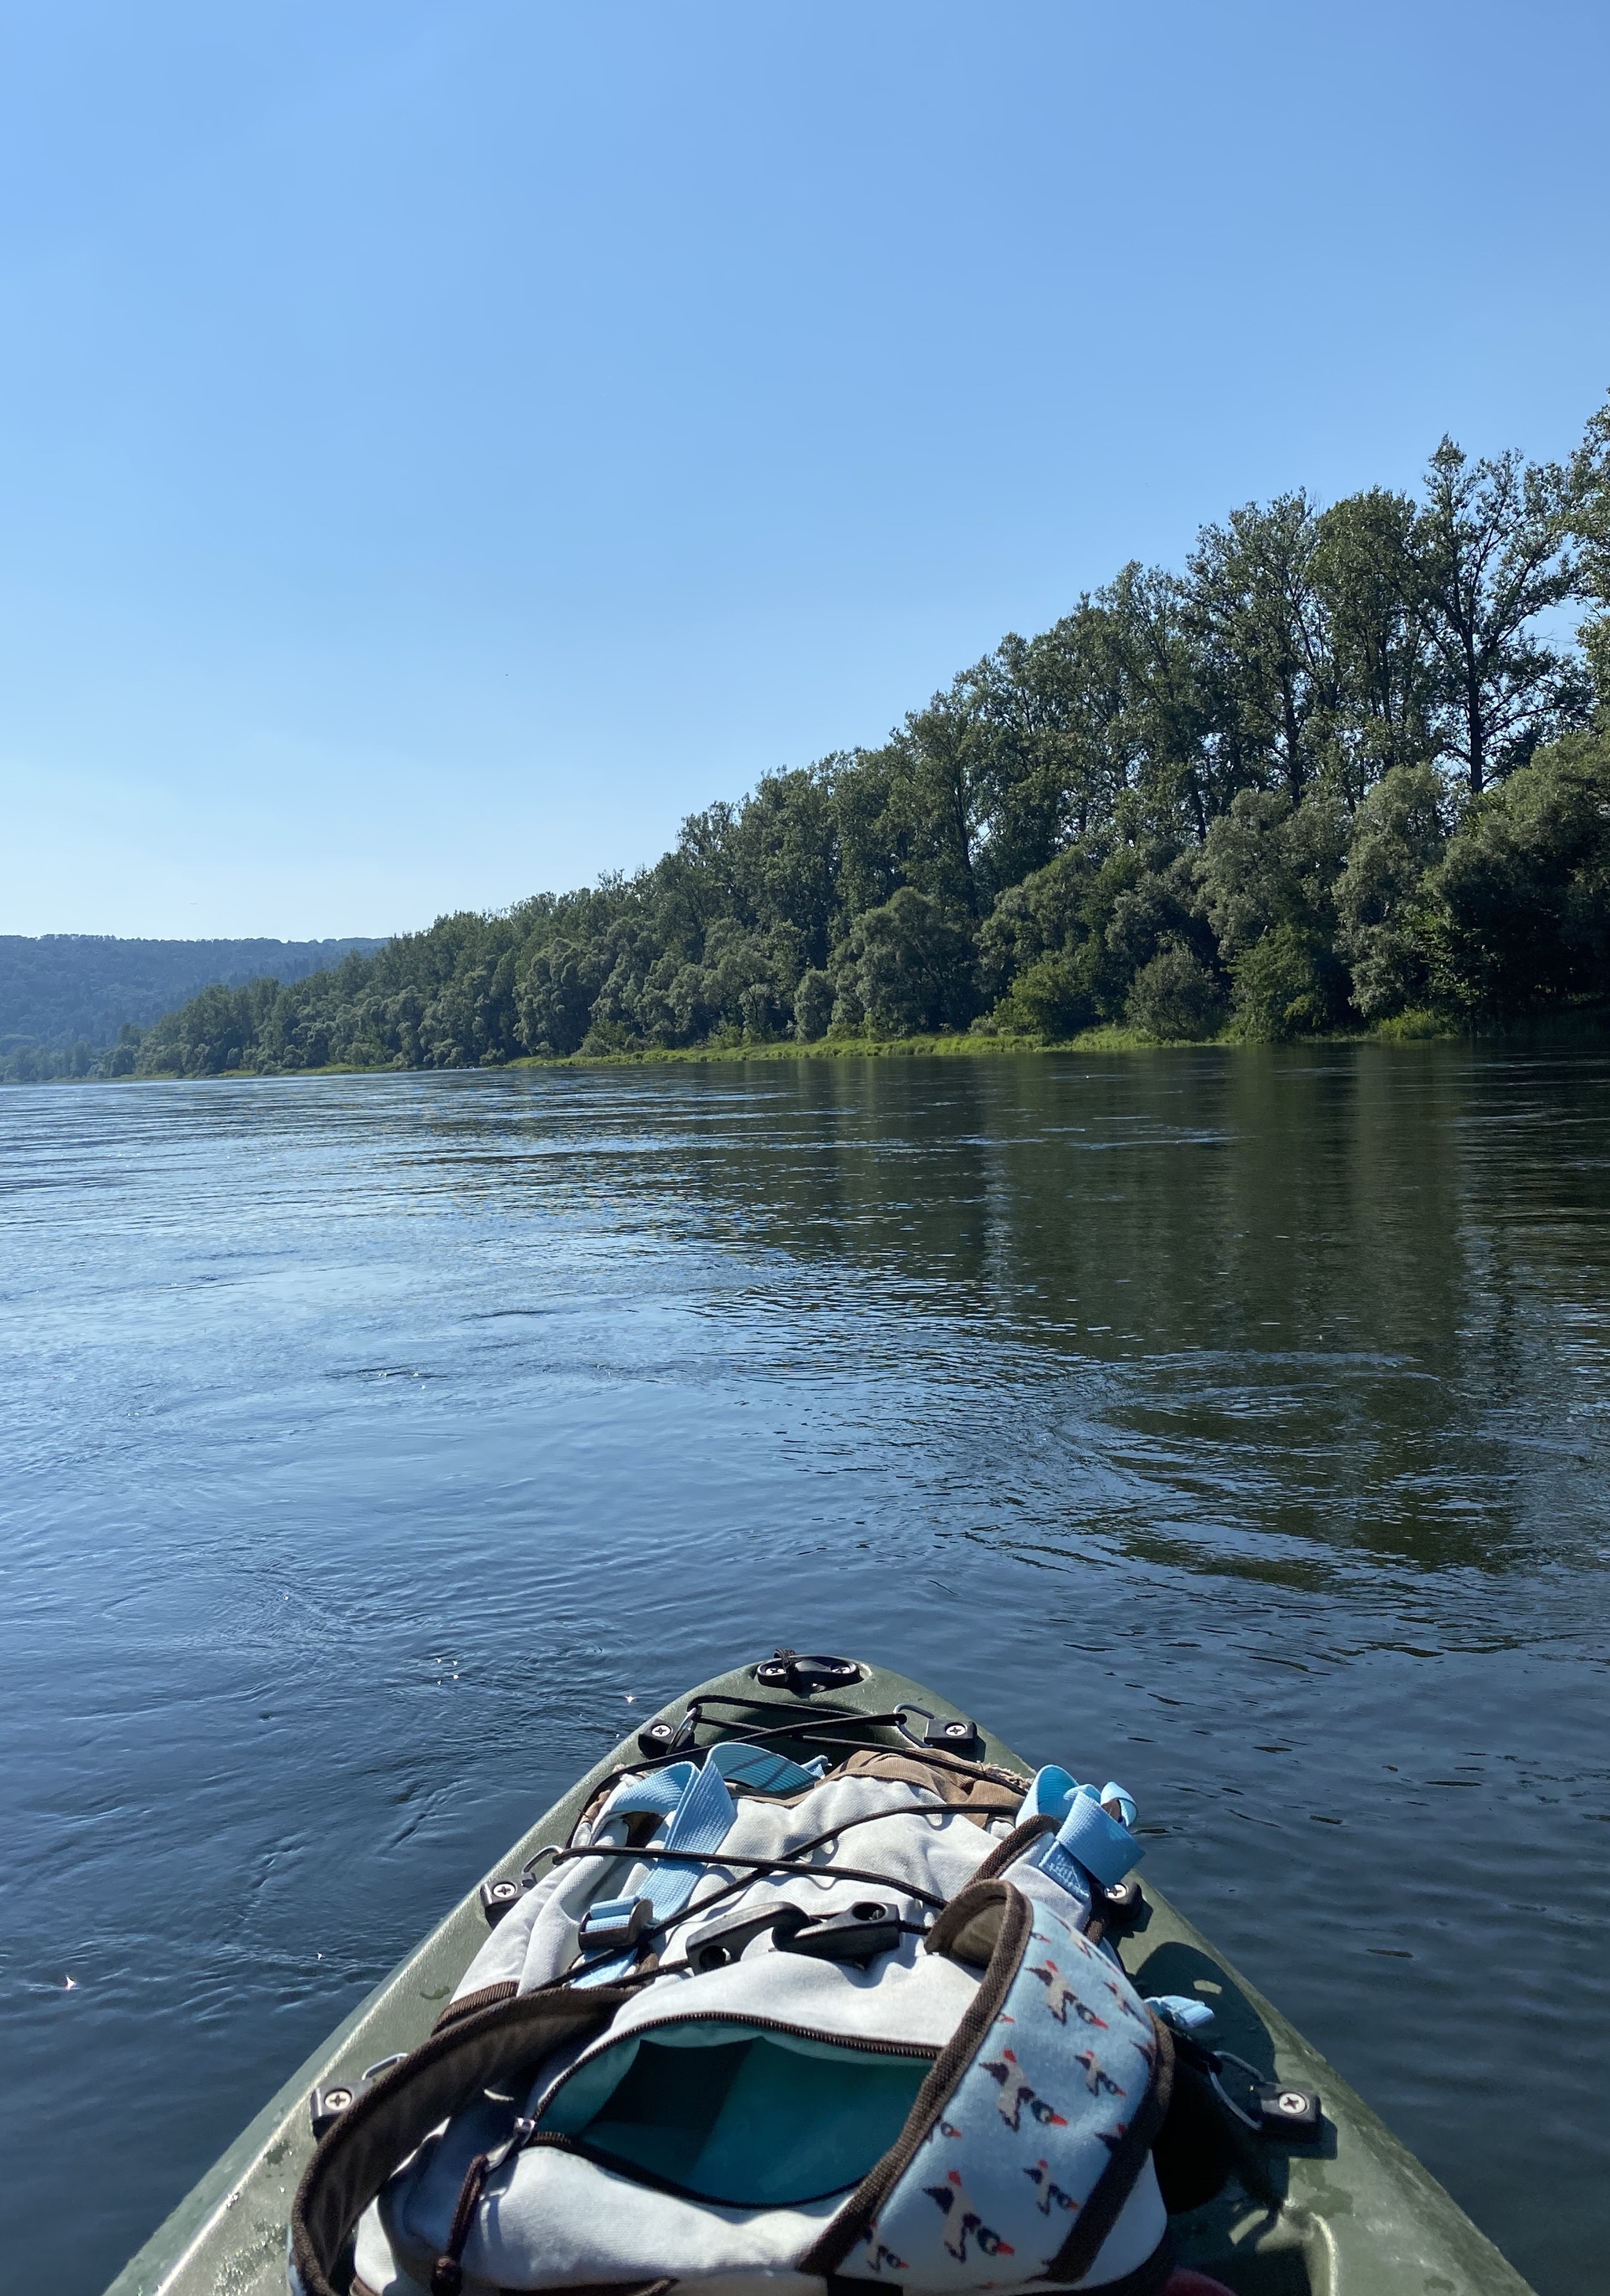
(1276,1315)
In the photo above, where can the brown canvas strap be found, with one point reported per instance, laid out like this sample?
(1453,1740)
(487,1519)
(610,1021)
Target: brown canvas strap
(385,2123)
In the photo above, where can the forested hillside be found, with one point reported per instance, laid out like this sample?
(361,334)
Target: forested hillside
(1348,764)
(65,996)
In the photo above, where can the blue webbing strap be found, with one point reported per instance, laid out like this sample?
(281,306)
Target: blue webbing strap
(659,1791)
(701,1820)
(758,1768)
(761,1770)
(701,1811)
(1088,1841)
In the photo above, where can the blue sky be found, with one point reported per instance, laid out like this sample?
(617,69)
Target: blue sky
(442,446)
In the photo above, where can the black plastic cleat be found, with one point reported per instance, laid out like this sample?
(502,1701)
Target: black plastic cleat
(720,1942)
(788,1670)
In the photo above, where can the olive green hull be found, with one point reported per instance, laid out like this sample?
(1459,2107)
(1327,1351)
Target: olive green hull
(1353,2214)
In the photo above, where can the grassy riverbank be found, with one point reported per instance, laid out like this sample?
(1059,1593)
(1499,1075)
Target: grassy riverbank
(1406,1028)
(1582,1028)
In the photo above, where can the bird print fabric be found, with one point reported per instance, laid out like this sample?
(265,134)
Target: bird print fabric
(996,2188)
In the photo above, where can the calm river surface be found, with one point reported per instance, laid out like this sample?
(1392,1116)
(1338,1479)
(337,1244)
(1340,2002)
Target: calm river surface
(1236,1425)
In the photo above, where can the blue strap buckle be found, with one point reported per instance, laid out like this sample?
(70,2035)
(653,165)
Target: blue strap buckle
(616,1922)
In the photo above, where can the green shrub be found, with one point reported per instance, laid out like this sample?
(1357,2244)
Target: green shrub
(909,966)
(1398,834)
(1176,995)
(813,1006)
(1048,999)
(1287,985)
(1412,1028)
(1519,910)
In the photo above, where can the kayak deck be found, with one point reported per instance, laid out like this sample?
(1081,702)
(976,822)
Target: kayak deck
(1352,2214)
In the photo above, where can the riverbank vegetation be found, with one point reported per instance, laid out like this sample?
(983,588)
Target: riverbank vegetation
(1347,768)
(66,997)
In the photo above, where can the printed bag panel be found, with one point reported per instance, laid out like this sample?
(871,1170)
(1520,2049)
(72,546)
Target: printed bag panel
(995,2189)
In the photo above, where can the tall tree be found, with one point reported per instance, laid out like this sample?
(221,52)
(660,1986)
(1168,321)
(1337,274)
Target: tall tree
(786,849)
(1490,550)
(1265,644)
(1176,779)
(700,879)
(1590,528)
(1058,757)
(936,797)
(1385,685)
(1046,766)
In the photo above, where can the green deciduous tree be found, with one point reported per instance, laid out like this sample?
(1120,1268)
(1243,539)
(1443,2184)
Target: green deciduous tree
(1491,556)
(1590,520)
(1381,705)
(1232,786)
(910,966)
(1519,906)
(1398,838)
(1175,995)
(1259,618)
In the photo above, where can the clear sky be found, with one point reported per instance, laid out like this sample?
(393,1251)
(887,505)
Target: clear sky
(441,445)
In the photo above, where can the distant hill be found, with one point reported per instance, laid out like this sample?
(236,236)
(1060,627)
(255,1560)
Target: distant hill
(63,989)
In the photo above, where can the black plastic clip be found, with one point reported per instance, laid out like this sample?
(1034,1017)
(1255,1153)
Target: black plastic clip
(868,1929)
(331,2098)
(1293,2113)
(668,1737)
(788,1670)
(1123,1903)
(617,1921)
(499,1897)
(329,2102)
(720,1942)
(951,1732)
(1273,2108)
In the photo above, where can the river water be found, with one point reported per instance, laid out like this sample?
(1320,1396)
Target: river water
(1237,1425)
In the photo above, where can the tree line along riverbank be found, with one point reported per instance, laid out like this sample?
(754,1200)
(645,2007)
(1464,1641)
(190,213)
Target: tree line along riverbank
(1343,771)
(65,996)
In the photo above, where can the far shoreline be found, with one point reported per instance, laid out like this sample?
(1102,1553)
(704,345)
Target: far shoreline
(1566,1030)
